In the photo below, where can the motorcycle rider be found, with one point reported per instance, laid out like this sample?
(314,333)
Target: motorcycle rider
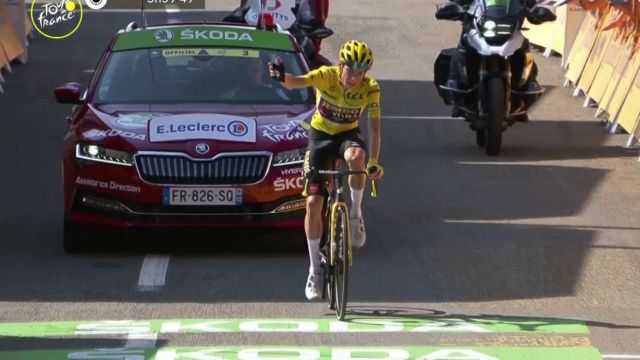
(464,65)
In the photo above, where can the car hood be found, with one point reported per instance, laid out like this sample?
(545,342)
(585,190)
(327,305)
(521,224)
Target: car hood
(224,128)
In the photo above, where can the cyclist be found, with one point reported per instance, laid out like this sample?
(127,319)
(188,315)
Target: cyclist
(344,91)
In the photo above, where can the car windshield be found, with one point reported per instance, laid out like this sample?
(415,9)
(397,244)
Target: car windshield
(197,75)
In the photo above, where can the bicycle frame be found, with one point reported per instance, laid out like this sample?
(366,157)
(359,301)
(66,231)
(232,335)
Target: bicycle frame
(336,201)
(336,205)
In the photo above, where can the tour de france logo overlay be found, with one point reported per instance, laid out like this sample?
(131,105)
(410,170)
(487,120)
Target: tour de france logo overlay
(57,19)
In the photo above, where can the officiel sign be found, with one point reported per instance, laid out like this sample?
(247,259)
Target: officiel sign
(202,126)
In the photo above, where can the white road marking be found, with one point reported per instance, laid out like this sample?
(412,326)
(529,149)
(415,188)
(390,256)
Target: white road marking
(141,340)
(418,117)
(153,272)
(636,357)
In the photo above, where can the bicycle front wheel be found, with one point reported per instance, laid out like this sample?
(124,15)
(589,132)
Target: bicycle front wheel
(341,263)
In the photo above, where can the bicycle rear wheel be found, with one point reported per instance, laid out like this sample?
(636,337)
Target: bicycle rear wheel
(340,271)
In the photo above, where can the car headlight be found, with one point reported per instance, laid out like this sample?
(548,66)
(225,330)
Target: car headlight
(289,157)
(100,154)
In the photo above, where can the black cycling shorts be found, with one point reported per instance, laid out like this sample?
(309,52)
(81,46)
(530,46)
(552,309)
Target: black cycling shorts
(323,149)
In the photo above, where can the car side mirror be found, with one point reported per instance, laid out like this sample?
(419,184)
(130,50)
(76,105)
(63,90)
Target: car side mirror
(540,14)
(69,93)
(449,11)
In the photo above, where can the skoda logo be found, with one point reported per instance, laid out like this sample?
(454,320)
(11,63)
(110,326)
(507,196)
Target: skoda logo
(202,148)
(163,36)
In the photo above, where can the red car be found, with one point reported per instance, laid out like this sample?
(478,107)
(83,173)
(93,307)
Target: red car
(181,126)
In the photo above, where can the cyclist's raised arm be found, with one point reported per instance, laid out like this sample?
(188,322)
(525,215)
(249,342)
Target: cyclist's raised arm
(289,81)
(296,82)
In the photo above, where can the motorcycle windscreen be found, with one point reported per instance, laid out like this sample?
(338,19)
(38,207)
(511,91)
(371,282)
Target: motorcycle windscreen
(500,9)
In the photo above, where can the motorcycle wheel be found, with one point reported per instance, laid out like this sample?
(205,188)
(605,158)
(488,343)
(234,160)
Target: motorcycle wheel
(494,106)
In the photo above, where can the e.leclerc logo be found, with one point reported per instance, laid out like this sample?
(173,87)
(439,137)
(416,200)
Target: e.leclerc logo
(237,128)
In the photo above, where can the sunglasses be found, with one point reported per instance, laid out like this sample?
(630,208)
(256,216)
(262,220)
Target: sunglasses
(358,66)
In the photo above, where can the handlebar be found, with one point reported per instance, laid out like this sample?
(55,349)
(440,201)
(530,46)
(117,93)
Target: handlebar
(374,183)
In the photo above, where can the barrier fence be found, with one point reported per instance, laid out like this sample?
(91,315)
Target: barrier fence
(599,41)
(15,28)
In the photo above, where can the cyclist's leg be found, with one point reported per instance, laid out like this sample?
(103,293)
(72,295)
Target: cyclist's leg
(353,150)
(315,157)
(319,153)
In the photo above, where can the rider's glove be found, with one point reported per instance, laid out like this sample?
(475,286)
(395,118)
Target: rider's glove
(373,167)
(278,69)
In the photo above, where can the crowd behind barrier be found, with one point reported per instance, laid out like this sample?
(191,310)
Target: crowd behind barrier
(15,29)
(599,41)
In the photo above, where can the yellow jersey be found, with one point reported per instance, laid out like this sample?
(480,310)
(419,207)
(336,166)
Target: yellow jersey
(338,110)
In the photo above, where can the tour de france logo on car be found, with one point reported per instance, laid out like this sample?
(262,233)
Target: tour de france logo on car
(237,128)
(163,35)
(56,19)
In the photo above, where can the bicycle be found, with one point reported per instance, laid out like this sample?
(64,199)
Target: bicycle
(336,251)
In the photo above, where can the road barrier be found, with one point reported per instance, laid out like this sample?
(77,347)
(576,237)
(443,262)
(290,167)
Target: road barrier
(600,47)
(15,28)
(607,103)
(17,11)
(4,62)
(629,115)
(598,51)
(581,48)
(560,35)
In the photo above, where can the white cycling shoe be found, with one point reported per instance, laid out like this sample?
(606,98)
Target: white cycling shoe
(358,234)
(313,289)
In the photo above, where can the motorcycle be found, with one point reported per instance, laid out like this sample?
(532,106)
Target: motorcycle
(304,19)
(495,64)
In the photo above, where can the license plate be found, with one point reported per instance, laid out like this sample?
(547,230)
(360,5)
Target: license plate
(202,196)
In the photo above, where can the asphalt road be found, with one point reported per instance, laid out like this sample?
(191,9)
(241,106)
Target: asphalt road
(545,235)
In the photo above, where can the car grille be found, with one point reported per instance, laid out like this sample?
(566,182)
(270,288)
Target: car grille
(181,170)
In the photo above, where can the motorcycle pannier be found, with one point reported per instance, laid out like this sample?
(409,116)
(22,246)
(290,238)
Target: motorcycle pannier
(441,72)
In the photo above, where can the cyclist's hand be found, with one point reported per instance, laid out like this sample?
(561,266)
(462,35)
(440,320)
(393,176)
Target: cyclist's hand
(374,169)
(277,71)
